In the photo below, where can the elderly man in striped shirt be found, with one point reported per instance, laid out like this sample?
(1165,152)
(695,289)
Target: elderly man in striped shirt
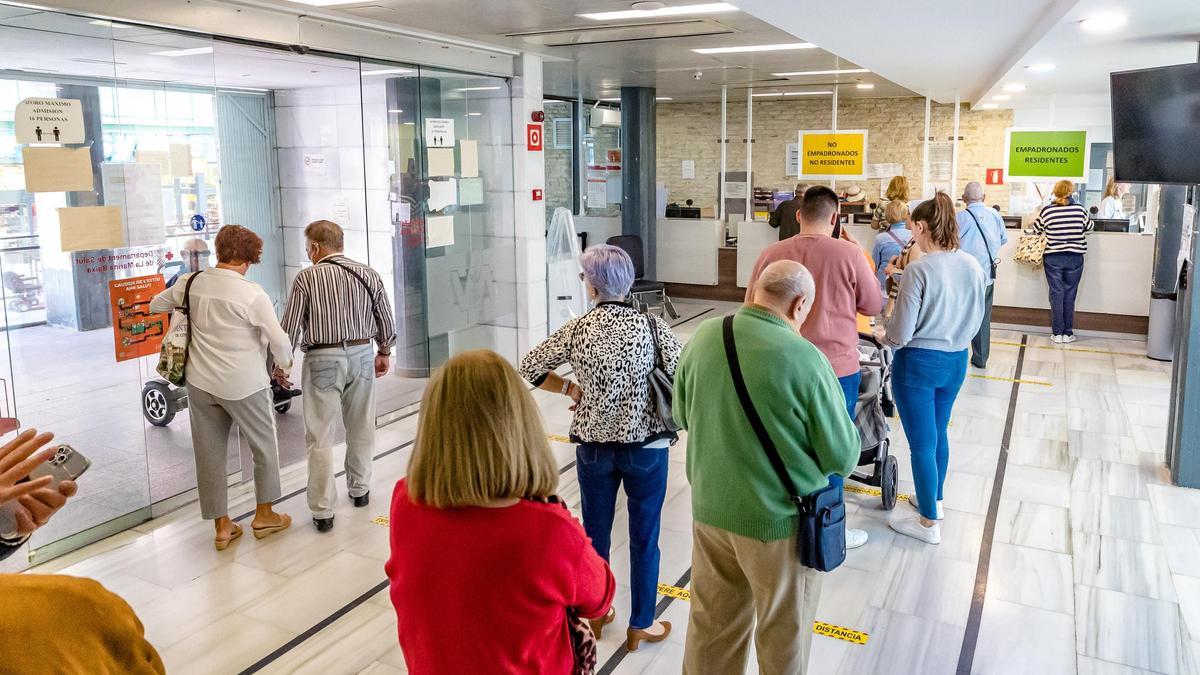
(336,308)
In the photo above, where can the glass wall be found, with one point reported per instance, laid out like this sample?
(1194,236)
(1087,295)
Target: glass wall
(180,135)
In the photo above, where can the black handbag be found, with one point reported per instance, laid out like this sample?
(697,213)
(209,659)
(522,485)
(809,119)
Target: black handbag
(821,529)
(662,385)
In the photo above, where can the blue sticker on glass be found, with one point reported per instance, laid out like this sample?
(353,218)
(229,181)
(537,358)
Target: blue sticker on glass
(198,223)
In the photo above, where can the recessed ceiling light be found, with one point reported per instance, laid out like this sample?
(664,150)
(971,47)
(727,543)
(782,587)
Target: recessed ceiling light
(755,48)
(388,71)
(478,89)
(808,93)
(1001,97)
(662,98)
(773,93)
(864,85)
(989,106)
(846,71)
(1040,67)
(680,10)
(1014,87)
(184,52)
(1102,23)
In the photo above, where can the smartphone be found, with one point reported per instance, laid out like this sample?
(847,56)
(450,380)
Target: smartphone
(837,231)
(66,463)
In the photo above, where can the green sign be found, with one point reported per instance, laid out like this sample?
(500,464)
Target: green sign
(1045,155)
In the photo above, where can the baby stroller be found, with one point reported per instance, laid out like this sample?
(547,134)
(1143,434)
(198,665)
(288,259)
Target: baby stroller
(874,406)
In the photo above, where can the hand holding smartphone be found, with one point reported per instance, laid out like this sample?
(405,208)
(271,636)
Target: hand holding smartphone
(35,482)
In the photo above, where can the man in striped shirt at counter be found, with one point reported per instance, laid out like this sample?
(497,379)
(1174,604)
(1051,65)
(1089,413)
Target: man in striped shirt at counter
(334,311)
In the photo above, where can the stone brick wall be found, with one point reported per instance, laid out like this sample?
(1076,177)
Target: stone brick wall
(895,128)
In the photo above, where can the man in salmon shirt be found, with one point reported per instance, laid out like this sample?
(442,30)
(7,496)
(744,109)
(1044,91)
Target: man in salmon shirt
(846,287)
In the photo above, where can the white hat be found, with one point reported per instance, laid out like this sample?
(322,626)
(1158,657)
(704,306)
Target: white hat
(855,194)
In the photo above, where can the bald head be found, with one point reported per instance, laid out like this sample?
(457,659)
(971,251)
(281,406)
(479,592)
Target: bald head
(786,287)
(973,192)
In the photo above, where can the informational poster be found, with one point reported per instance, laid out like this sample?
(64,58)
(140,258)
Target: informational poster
(181,160)
(440,161)
(885,171)
(439,132)
(689,169)
(791,159)
(88,228)
(49,120)
(941,165)
(136,330)
(470,191)
(1046,155)
(830,155)
(468,158)
(56,169)
(735,189)
(442,193)
(341,213)
(314,164)
(439,231)
(137,189)
(597,193)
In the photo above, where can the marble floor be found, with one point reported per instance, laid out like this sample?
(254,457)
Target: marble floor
(1093,557)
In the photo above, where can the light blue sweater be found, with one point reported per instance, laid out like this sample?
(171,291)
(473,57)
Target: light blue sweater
(940,304)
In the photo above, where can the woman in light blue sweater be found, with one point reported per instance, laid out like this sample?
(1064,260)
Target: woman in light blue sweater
(936,314)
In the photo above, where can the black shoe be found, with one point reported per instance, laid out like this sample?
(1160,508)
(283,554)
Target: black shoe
(362,500)
(323,524)
(979,365)
(281,395)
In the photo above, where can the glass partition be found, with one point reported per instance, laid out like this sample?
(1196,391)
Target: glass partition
(602,158)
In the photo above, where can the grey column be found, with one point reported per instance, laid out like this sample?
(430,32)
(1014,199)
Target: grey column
(1183,433)
(638,184)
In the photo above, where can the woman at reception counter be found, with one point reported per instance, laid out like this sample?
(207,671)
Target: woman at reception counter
(1111,206)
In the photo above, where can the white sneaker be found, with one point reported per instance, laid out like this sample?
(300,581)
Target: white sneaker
(1058,339)
(1068,339)
(941,512)
(855,538)
(911,525)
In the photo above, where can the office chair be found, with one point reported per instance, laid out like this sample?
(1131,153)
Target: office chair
(632,245)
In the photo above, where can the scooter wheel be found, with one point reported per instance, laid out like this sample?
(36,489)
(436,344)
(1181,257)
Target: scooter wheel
(158,406)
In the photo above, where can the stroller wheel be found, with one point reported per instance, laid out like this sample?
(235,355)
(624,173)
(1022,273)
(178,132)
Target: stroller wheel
(889,482)
(158,406)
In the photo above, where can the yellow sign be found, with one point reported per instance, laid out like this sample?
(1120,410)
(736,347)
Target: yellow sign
(830,630)
(833,154)
(675,592)
(382,520)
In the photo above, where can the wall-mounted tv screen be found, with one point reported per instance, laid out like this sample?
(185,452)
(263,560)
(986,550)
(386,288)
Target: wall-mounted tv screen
(1156,124)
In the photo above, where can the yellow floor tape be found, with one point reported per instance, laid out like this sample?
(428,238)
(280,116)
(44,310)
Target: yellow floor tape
(382,520)
(875,492)
(995,378)
(1086,350)
(819,627)
(558,439)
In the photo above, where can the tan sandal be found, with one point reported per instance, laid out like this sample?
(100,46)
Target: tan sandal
(285,521)
(223,543)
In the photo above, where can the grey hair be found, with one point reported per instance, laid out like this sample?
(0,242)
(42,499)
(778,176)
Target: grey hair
(784,280)
(973,192)
(609,270)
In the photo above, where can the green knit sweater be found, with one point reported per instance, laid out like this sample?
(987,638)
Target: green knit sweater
(800,402)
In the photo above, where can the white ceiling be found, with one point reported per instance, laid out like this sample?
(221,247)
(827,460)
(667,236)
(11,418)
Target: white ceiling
(1168,35)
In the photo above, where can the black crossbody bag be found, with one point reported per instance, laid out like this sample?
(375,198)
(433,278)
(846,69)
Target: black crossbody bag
(986,246)
(821,531)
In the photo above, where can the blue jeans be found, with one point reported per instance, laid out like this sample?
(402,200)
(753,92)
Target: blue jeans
(850,390)
(602,469)
(925,383)
(1063,272)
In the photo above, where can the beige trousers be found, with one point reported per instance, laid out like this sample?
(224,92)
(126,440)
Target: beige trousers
(737,581)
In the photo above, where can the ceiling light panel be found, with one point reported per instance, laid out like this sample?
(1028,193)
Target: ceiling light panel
(680,10)
(478,89)
(802,73)
(1014,87)
(1040,67)
(1103,23)
(756,48)
(184,52)
(865,85)
(989,106)
(388,71)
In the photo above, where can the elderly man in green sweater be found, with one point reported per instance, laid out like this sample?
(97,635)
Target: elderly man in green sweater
(744,561)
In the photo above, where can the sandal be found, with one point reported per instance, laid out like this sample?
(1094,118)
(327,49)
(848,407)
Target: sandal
(285,521)
(223,543)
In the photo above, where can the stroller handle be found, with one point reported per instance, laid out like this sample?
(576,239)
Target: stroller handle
(870,337)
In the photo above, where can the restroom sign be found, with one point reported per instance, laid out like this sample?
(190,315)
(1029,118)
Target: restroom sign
(439,132)
(831,155)
(533,137)
(49,120)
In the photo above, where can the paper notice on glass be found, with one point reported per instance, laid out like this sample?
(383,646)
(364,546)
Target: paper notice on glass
(159,158)
(791,159)
(470,191)
(341,213)
(689,169)
(442,193)
(49,120)
(181,160)
(597,193)
(440,161)
(439,231)
(468,158)
(58,169)
(735,189)
(941,162)
(1096,179)
(439,132)
(88,228)
(137,190)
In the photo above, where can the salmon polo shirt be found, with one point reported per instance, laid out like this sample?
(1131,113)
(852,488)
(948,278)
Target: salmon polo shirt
(846,287)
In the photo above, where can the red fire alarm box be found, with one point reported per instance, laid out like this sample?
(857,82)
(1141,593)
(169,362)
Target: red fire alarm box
(537,194)
(995,176)
(533,137)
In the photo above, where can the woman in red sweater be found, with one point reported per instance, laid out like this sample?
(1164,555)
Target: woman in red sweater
(483,569)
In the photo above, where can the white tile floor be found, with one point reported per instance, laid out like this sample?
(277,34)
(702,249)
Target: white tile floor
(1095,559)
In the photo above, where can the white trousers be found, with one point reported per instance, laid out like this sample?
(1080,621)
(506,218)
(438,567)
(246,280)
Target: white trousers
(338,381)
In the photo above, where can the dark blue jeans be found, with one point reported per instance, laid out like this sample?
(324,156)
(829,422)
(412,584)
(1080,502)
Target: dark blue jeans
(925,383)
(1063,271)
(850,390)
(602,470)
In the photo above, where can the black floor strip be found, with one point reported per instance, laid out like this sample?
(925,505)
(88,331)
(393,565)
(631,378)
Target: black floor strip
(966,658)
(618,656)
